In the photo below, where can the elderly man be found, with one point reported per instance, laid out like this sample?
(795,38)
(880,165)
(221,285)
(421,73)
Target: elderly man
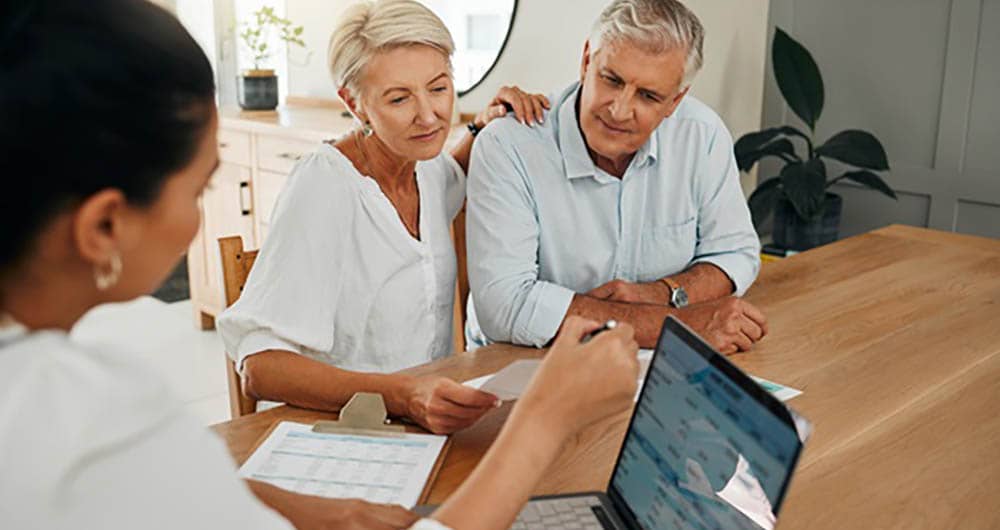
(625,204)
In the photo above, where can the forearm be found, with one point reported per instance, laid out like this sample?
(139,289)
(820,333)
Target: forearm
(492,496)
(704,282)
(288,377)
(463,152)
(279,500)
(647,319)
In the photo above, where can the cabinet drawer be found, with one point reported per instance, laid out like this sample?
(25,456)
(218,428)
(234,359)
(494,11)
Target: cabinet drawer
(275,153)
(266,189)
(234,146)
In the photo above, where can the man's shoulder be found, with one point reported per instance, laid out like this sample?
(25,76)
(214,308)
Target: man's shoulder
(510,133)
(693,112)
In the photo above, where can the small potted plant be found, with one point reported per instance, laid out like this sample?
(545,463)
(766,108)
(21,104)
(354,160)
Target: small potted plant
(257,88)
(806,214)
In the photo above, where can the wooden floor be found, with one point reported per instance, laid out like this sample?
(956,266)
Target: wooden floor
(894,336)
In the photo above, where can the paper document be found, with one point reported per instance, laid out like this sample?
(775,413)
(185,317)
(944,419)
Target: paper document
(510,382)
(377,469)
(781,392)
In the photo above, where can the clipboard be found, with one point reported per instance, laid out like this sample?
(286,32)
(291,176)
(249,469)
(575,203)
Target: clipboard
(365,415)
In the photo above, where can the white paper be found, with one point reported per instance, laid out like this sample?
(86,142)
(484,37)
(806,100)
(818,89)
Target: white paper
(782,392)
(385,470)
(510,382)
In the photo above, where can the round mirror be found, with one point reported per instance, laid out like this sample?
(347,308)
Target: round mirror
(480,29)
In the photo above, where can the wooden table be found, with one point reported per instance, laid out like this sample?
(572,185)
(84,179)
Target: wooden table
(893,335)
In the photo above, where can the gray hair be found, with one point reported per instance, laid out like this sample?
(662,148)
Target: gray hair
(370,27)
(656,26)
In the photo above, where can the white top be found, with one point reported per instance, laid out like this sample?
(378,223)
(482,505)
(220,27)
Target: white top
(340,279)
(92,440)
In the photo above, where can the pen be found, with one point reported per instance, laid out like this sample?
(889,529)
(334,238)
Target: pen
(609,325)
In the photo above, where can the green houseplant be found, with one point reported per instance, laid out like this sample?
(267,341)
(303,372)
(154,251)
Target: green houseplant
(806,213)
(258,87)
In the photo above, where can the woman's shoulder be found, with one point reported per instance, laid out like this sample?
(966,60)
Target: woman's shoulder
(61,404)
(325,169)
(90,392)
(320,179)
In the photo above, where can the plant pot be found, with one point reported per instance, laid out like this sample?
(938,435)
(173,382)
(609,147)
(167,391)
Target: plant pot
(791,232)
(257,90)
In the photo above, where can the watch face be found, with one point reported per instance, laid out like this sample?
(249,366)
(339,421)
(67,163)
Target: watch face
(679,297)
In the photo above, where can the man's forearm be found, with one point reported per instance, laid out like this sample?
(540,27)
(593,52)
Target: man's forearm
(288,377)
(647,319)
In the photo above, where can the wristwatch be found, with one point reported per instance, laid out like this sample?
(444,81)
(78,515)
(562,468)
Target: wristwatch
(678,296)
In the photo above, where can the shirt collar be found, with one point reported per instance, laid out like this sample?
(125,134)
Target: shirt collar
(576,158)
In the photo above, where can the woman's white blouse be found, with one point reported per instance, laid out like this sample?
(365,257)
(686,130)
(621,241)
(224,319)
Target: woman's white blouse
(340,279)
(91,439)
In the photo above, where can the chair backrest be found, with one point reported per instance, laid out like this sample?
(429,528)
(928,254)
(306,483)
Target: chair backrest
(236,264)
(462,289)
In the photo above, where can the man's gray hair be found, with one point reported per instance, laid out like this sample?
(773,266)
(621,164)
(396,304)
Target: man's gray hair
(655,26)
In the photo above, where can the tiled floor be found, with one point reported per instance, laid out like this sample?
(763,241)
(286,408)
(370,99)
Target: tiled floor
(165,337)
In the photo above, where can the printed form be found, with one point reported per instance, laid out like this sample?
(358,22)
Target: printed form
(390,469)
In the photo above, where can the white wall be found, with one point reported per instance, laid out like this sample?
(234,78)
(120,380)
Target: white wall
(307,74)
(543,56)
(543,53)
(197,17)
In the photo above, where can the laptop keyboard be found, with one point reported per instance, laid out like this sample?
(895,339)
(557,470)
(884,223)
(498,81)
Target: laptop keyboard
(570,513)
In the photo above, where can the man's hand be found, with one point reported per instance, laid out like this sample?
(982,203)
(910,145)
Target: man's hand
(729,324)
(443,406)
(633,293)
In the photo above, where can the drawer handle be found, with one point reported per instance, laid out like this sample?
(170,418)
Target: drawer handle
(290,156)
(245,198)
(223,145)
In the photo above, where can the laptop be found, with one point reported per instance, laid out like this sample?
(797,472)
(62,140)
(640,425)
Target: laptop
(706,448)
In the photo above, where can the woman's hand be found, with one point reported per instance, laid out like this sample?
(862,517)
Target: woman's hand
(317,513)
(309,512)
(529,109)
(579,384)
(576,385)
(443,406)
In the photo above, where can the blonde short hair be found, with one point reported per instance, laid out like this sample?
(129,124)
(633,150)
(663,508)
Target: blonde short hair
(369,27)
(656,26)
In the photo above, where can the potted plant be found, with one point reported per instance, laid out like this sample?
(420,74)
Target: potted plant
(806,214)
(257,88)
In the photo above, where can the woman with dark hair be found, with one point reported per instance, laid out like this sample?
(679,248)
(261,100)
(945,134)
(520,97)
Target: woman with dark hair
(108,134)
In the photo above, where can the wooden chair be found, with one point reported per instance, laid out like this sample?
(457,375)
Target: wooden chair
(236,264)
(462,289)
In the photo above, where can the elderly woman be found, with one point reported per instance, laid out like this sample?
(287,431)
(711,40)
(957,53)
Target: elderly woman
(357,276)
(90,437)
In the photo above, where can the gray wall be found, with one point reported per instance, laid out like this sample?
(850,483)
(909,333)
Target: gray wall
(924,77)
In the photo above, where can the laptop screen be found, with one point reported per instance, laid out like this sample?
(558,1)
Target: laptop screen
(707,448)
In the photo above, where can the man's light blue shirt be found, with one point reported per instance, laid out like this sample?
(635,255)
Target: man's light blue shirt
(544,223)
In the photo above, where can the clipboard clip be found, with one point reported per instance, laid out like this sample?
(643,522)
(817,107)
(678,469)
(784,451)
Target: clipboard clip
(364,414)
